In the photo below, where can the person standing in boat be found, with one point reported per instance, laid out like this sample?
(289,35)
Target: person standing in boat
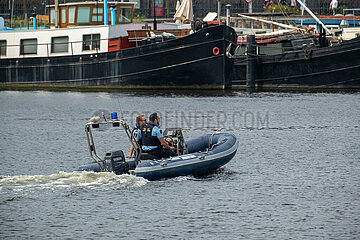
(333,4)
(140,124)
(153,141)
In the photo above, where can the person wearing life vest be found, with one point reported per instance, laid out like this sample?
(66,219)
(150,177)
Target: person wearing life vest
(140,123)
(153,141)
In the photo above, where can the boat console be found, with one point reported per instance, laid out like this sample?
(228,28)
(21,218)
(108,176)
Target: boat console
(175,138)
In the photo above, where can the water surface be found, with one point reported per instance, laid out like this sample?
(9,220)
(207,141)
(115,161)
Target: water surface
(296,174)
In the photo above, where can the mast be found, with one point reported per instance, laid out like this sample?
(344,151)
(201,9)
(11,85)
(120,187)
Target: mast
(219,11)
(271,22)
(313,15)
(12,13)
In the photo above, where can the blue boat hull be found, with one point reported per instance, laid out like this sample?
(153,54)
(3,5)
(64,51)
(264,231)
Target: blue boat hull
(206,154)
(195,168)
(200,161)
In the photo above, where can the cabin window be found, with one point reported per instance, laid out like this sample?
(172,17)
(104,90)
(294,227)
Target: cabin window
(257,25)
(91,42)
(98,10)
(28,46)
(2,47)
(97,15)
(270,49)
(83,15)
(63,15)
(97,18)
(59,44)
(125,14)
(72,14)
(52,15)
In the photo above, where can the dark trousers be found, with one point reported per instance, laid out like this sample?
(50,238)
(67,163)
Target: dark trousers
(161,152)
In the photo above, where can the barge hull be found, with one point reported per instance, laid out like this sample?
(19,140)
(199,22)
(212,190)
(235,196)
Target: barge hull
(187,61)
(325,68)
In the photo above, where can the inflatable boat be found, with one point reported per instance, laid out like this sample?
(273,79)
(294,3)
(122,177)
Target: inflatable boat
(197,157)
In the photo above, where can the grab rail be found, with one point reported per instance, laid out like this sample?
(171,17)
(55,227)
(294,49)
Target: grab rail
(115,123)
(353,10)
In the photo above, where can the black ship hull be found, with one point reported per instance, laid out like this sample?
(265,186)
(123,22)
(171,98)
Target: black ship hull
(185,62)
(325,68)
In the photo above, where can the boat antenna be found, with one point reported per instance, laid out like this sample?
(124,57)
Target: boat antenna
(313,16)
(121,113)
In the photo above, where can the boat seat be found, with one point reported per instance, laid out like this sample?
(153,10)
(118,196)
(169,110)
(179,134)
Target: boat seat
(147,156)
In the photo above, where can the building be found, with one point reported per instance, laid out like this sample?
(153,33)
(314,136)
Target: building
(165,8)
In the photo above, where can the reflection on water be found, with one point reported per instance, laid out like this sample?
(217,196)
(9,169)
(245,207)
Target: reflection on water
(180,93)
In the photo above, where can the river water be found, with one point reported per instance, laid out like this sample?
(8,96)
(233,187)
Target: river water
(296,174)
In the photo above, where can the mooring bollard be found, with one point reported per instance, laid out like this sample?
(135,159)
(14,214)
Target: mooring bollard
(250,62)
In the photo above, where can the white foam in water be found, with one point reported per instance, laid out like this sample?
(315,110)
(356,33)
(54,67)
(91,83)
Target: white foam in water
(64,179)
(182,178)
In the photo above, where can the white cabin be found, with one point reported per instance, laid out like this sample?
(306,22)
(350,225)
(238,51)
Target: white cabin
(80,30)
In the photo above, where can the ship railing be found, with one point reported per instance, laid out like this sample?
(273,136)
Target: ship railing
(48,49)
(82,47)
(353,15)
(138,35)
(115,123)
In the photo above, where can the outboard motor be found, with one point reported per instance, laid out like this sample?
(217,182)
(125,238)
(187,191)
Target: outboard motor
(115,162)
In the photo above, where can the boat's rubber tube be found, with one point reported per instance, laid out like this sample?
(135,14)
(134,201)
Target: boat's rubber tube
(206,153)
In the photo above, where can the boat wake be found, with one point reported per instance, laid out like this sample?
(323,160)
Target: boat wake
(216,174)
(80,179)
